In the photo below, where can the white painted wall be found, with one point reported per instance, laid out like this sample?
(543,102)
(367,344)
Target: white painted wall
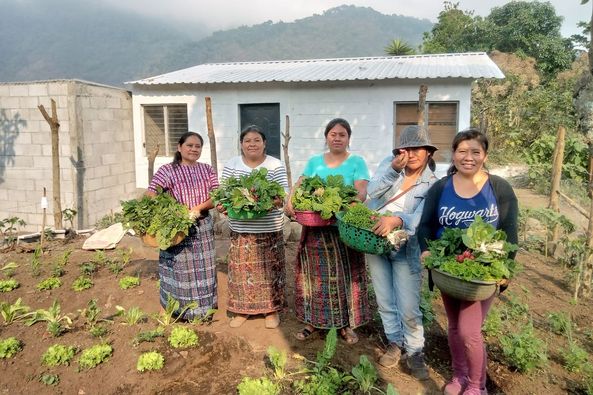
(368,106)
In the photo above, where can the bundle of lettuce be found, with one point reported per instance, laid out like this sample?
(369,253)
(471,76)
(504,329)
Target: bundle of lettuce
(252,193)
(325,197)
(479,252)
(360,216)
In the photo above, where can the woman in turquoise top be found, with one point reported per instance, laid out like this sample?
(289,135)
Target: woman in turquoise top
(331,281)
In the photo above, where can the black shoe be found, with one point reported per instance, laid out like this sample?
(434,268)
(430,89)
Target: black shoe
(391,357)
(418,368)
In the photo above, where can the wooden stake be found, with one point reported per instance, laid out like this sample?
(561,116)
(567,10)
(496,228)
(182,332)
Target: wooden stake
(286,137)
(211,137)
(556,176)
(422,103)
(151,158)
(43,219)
(54,125)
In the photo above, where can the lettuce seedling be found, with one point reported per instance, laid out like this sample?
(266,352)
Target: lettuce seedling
(152,360)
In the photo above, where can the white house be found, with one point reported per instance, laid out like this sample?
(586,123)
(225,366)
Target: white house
(377,95)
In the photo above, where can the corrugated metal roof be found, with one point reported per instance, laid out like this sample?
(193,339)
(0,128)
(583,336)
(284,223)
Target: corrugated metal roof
(457,65)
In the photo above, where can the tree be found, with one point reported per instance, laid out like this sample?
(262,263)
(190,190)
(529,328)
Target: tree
(398,47)
(533,29)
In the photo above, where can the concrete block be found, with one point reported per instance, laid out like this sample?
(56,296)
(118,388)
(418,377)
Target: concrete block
(109,181)
(31,126)
(3,194)
(38,90)
(106,137)
(113,102)
(28,102)
(28,150)
(24,138)
(41,162)
(125,178)
(109,159)
(98,102)
(4,90)
(62,101)
(93,185)
(19,90)
(105,115)
(57,89)
(102,171)
(8,102)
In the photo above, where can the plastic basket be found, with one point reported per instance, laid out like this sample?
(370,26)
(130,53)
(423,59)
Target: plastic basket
(469,290)
(150,240)
(244,215)
(362,240)
(312,218)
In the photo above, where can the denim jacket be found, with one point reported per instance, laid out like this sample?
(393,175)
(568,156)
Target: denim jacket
(383,186)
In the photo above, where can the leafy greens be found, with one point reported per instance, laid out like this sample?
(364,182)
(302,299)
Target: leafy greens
(326,197)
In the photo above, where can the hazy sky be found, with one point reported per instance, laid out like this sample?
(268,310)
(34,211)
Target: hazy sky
(224,14)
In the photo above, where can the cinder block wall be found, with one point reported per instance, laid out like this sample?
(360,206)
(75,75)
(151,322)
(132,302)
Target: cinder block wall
(96,150)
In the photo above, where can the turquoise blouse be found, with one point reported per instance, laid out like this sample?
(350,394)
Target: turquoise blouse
(354,168)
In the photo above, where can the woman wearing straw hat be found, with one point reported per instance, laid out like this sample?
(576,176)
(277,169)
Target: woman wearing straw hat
(399,187)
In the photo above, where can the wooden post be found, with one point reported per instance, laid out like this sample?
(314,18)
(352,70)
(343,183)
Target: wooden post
(54,125)
(286,137)
(553,204)
(151,158)
(422,103)
(211,137)
(588,266)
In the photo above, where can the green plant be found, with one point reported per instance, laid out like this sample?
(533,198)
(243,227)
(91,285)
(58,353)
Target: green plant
(8,285)
(204,319)
(109,219)
(9,269)
(479,252)
(91,313)
(493,325)
(58,355)
(94,356)
(129,282)
(575,357)
(258,386)
(10,347)
(326,197)
(116,266)
(514,310)
(13,312)
(148,336)
(49,283)
(9,230)
(248,193)
(524,350)
(182,337)
(69,214)
(36,261)
(98,331)
(426,298)
(49,379)
(173,312)
(132,316)
(81,283)
(560,323)
(161,216)
(365,375)
(88,268)
(56,322)
(278,360)
(48,233)
(151,360)
(100,258)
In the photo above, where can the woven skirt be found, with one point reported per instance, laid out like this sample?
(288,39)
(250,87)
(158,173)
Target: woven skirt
(187,271)
(256,273)
(331,281)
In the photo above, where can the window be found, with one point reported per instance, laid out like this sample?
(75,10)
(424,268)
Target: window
(164,125)
(442,124)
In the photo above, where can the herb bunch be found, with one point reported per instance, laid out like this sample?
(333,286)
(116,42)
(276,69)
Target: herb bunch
(326,197)
(479,252)
(248,193)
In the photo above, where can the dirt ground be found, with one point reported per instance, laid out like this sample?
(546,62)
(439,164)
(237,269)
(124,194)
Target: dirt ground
(225,355)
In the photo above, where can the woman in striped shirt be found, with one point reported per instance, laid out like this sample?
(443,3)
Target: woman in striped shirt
(187,271)
(256,272)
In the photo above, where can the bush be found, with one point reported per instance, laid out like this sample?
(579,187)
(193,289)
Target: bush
(574,357)
(524,350)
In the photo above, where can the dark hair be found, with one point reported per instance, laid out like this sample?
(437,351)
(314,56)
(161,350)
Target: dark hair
(338,121)
(252,128)
(464,135)
(182,139)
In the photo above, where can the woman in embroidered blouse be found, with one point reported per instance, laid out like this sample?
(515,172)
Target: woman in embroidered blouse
(331,280)
(399,186)
(256,270)
(455,201)
(187,271)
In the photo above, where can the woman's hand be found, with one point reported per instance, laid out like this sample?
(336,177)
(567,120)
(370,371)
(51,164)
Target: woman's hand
(386,224)
(288,209)
(399,162)
(278,202)
(196,212)
(424,255)
(220,208)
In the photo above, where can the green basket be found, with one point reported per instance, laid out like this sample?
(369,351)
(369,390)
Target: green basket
(469,290)
(361,239)
(244,215)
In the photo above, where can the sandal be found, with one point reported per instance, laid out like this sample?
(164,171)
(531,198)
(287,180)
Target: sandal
(305,333)
(238,320)
(348,335)
(272,320)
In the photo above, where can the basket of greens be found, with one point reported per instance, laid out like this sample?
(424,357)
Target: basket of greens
(355,227)
(160,221)
(249,196)
(467,264)
(316,201)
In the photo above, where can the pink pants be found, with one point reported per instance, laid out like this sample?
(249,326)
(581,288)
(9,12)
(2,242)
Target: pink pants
(468,353)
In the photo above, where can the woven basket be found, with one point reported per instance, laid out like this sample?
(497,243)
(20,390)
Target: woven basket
(312,218)
(150,240)
(469,290)
(244,215)
(361,239)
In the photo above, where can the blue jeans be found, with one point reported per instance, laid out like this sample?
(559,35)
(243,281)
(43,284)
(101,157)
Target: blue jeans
(397,290)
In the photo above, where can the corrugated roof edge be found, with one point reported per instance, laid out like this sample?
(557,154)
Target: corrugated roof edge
(61,80)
